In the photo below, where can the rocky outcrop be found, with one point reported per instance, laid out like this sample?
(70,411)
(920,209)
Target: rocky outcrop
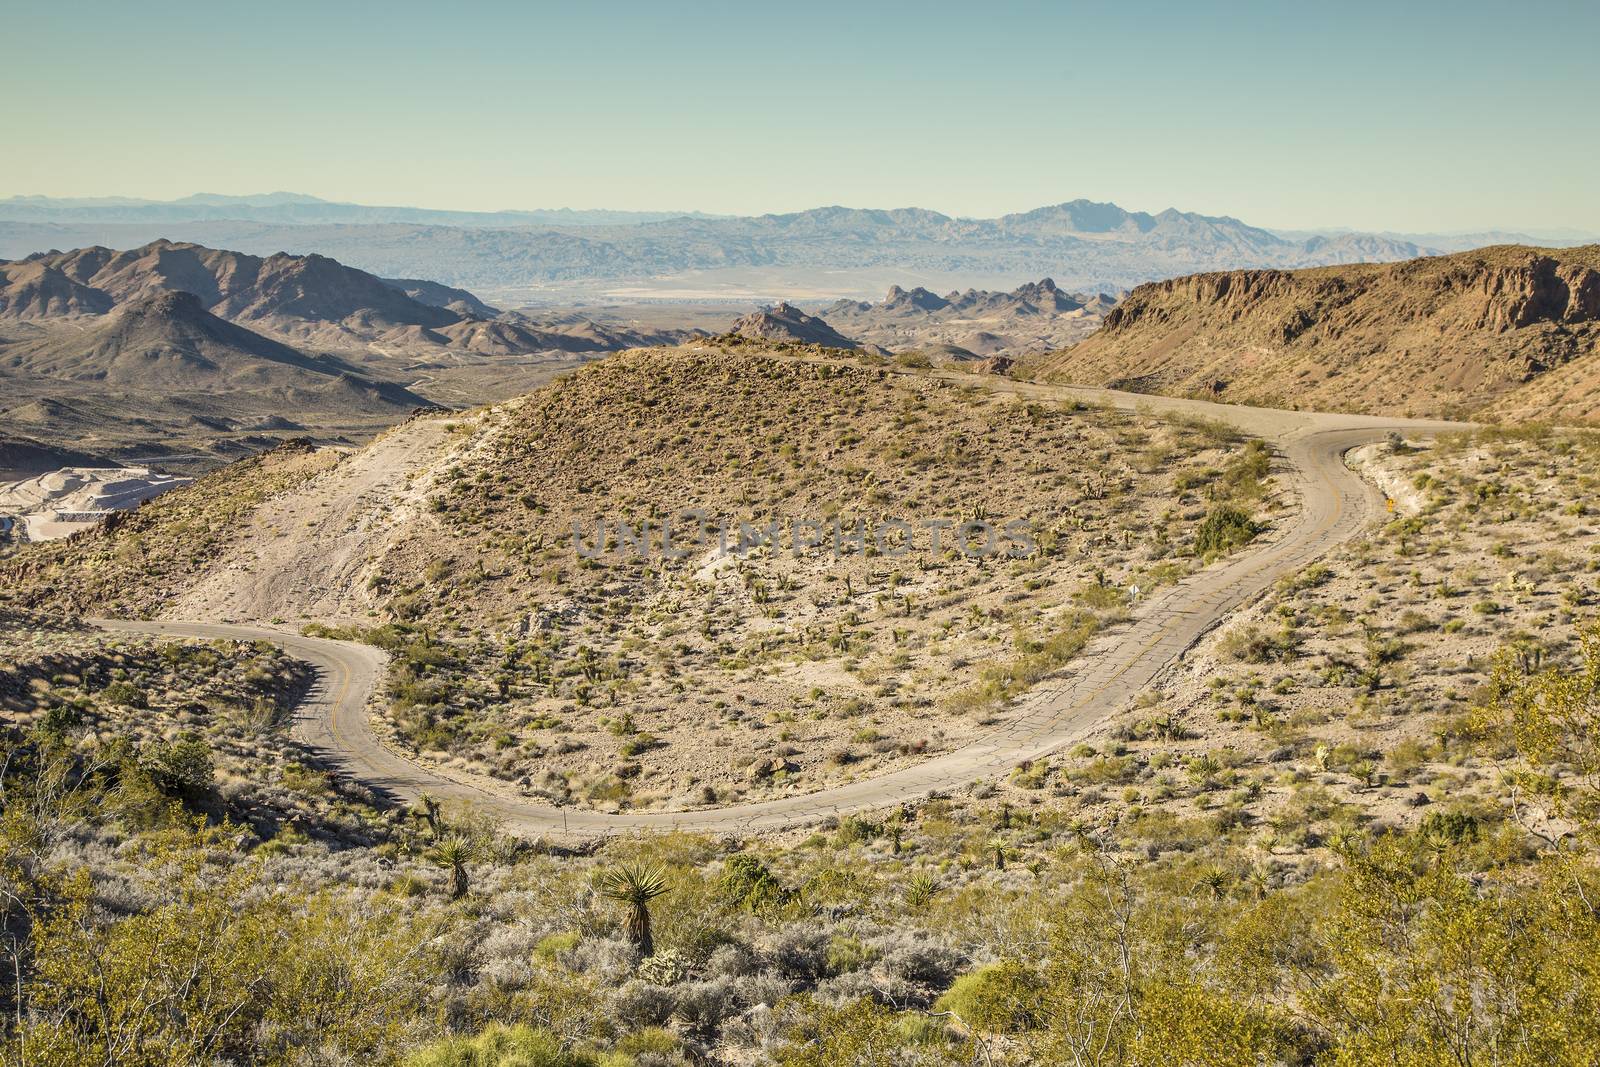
(917,299)
(1465,333)
(787,324)
(1509,287)
(1029,320)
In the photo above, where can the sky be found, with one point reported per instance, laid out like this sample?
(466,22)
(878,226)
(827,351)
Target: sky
(1414,117)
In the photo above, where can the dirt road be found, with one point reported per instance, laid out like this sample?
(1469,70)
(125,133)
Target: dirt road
(287,566)
(1336,504)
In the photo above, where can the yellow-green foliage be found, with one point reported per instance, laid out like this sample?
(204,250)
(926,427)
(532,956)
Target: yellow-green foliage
(1001,997)
(501,1046)
(220,966)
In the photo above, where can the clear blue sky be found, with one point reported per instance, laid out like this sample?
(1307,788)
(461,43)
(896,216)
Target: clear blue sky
(1408,116)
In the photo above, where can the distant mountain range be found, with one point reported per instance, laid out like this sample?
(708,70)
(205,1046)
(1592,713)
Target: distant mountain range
(297,209)
(1507,331)
(1083,245)
(961,327)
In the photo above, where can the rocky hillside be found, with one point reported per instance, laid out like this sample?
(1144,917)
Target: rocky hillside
(165,340)
(1030,320)
(178,350)
(1503,331)
(22,456)
(646,677)
(283,291)
(786,323)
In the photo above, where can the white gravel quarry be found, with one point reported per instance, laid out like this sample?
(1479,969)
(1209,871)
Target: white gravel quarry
(64,501)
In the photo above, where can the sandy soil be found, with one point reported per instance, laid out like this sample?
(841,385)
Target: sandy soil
(306,556)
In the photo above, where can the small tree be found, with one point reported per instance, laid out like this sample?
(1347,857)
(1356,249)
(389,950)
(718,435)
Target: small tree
(636,886)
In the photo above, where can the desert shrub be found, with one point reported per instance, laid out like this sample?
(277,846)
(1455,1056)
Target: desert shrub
(242,972)
(1251,644)
(500,1046)
(747,883)
(1224,529)
(125,695)
(1449,827)
(1098,597)
(638,1003)
(846,954)
(605,959)
(651,1046)
(181,767)
(859,1031)
(1002,997)
(553,947)
(703,1006)
(918,959)
(1246,473)
(799,951)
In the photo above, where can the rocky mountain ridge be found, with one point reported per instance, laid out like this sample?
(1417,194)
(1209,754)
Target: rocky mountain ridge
(1502,330)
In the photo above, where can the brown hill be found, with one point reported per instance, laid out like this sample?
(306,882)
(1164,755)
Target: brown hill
(787,323)
(1507,330)
(307,300)
(33,290)
(21,456)
(443,296)
(468,528)
(280,290)
(166,341)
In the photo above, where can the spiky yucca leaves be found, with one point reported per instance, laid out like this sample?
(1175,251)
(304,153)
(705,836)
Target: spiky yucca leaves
(455,852)
(636,886)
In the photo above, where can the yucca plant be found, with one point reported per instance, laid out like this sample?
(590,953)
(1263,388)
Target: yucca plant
(920,889)
(636,886)
(455,852)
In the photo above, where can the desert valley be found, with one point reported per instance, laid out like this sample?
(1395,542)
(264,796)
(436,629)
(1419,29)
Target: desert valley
(616,637)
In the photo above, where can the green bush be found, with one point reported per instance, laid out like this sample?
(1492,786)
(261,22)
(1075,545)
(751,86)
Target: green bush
(1225,528)
(747,883)
(180,768)
(500,1046)
(1003,997)
(125,695)
(1450,827)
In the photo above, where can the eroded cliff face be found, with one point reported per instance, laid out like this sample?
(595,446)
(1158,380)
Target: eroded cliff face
(1504,295)
(1439,335)
(1541,290)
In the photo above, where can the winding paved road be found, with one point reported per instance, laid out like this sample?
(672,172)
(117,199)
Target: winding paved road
(1336,504)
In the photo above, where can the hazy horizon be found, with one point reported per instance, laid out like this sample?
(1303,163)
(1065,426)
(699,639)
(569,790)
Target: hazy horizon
(113,199)
(1360,117)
